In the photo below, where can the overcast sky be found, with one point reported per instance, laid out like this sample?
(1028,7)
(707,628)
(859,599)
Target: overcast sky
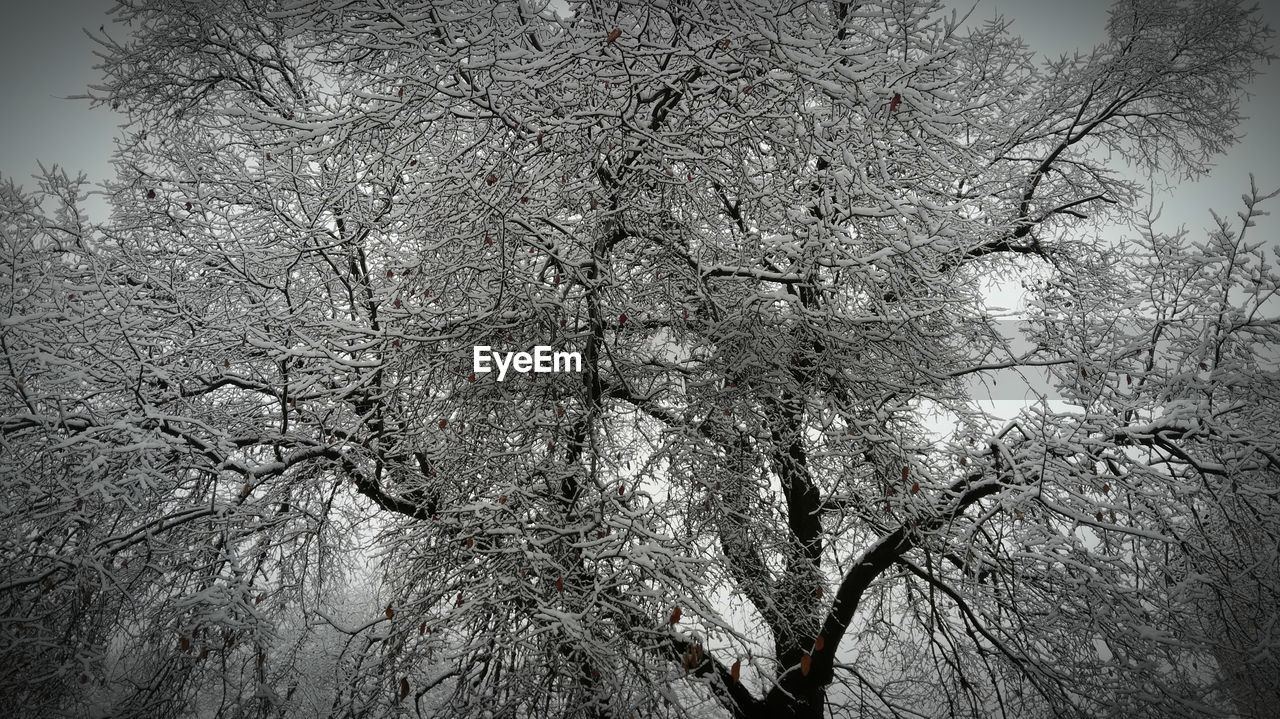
(47,56)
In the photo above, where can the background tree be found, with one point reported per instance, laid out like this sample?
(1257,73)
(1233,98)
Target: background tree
(768,230)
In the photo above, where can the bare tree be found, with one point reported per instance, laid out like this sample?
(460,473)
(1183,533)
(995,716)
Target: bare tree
(767,228)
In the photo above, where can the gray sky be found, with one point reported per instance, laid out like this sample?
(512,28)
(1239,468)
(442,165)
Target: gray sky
(47,57)
(1054,27)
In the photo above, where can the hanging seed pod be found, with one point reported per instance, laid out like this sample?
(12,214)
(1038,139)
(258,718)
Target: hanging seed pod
(735,672)
(391,613)
(676,613)
(805,662)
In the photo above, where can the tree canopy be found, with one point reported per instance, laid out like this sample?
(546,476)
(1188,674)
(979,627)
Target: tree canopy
(249,471)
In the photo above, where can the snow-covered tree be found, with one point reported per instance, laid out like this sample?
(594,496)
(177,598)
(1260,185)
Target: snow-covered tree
(249,470)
